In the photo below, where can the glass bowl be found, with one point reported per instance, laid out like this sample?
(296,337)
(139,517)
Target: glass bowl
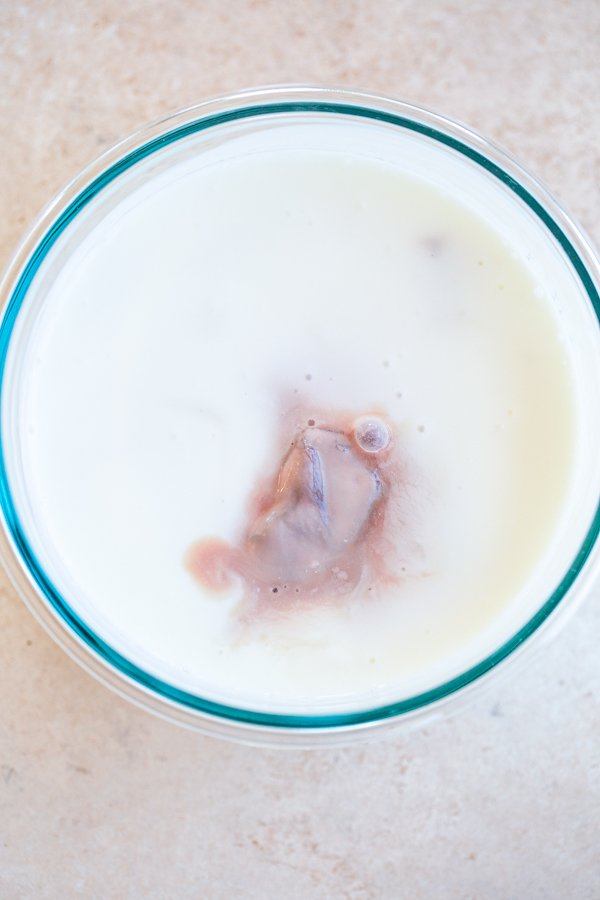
(242,121)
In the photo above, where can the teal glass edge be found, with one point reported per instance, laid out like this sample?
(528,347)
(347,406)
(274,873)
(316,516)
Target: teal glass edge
(59,604)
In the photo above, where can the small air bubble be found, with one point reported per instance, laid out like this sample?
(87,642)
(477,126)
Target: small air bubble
(386,363)
(308,376)
(399,394)
(421,428)
(372,435)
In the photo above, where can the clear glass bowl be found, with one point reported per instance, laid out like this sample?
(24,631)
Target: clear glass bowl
(225,120)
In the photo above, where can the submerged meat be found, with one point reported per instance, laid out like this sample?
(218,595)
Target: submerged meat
(318,529)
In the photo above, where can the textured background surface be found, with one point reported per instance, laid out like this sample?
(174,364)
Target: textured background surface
(98,799)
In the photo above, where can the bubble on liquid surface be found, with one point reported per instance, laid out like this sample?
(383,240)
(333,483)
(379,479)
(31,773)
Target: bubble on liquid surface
(371,434)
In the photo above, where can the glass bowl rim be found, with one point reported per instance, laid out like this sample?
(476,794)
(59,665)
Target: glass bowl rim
(63,622)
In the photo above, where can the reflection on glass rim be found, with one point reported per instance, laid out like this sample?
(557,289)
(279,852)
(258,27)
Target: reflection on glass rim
(27,557)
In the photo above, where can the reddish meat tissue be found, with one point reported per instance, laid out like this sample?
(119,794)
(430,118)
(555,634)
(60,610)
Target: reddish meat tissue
(322,526)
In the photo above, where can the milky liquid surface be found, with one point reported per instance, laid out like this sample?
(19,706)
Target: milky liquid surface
(171,344)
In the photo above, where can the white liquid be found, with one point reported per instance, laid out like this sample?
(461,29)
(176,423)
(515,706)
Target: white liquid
(157,369)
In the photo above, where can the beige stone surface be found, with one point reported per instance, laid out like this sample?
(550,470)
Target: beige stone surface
(100,800)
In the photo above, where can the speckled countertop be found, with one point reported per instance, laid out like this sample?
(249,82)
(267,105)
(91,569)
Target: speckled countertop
(100,800)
